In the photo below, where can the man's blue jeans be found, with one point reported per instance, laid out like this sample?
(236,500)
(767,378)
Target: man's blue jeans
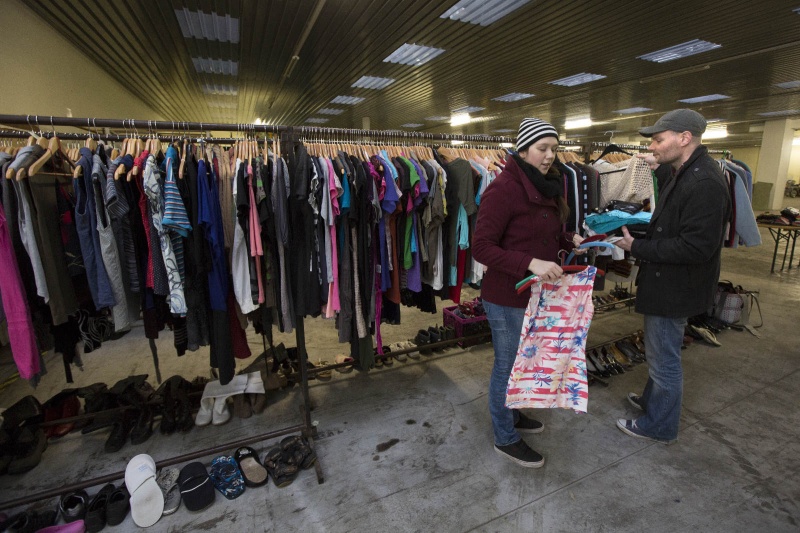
(506,324)
(662,395)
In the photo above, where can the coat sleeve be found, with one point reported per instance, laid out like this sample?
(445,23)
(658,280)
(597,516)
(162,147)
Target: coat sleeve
(701,224)
(493,217)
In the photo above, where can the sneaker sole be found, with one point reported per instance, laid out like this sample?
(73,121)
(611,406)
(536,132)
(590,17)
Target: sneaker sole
(643,437)
(633,403)
(520,462)
(530,431)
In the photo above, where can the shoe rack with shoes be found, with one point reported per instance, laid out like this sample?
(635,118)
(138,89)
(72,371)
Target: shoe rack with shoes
(613,358)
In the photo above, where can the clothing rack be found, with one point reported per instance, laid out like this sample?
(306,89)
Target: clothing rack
(290,136)
(64,136)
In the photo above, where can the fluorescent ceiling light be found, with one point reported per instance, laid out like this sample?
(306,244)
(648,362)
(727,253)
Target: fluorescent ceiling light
(413,54)
(330,111)
(706,98)
(712,120)
(483,12)
(468,109)
(199,25)
(257,122)
(460,119)
(225,67)
(456,142)
(577,79)
(317,120)
(506,145)
(349,100)
(577,123)
(438,118)
(631,110)
(796,10)
(222,105)
(411,125)
(373,82)
(789,84)
(719,132)
(504,130)
(689,48)
(784,113)
(221,89)
(513,97)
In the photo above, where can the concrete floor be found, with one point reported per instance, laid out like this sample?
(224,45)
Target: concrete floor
(735,467)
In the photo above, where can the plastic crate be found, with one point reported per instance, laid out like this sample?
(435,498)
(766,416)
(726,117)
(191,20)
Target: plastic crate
(466,327)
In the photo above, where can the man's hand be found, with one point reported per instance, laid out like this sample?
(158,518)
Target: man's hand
(626,241)
(649,159)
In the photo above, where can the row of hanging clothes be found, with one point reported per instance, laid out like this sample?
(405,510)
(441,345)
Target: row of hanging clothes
(743,228)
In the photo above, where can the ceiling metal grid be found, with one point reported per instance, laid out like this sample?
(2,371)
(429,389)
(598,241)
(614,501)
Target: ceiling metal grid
(336,42)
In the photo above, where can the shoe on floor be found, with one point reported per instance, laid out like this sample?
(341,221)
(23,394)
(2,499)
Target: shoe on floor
(635,400)
(521,453)
(629,428)
(706,335)
(528,425)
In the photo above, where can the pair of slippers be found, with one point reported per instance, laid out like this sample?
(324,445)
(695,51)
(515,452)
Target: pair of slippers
(109,506)
(404,345)
(167,481)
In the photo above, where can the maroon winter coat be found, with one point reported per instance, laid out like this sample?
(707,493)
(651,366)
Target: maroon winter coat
(516,223)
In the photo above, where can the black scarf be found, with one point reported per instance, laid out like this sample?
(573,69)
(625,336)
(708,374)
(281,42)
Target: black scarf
(550,184)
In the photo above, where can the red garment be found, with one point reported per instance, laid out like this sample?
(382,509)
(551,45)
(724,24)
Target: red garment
(238,336)
(516,223)
(139,162)
(461,266)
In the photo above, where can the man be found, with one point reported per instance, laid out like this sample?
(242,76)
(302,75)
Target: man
(680,263)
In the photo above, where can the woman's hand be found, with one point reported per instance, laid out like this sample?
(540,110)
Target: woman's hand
(576,241)
(546,270)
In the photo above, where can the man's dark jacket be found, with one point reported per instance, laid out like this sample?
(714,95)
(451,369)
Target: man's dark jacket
(680,253)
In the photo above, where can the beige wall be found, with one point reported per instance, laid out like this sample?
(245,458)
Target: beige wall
(749,156)
(44,74)
(794,165)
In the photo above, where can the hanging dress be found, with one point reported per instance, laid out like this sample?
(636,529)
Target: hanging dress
(550,367)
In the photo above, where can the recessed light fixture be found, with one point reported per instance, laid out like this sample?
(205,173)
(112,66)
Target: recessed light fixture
(411,125)
(577,79)
(789,84)
(504,130)
(317,120)
(712,120)
(413,54)
(717,132)
(796,10)
(225,67)
(199,25)
(468,109)
(459,119)
(783,113)
(349,100)
(456,142)
(513,97)
(221,89)
(483,12)
(689,48)
(222,105)
(706,98)
(330,111)
(577,123)
(373,82)
(506,145)
(631,110)
(257,122)
(438,118)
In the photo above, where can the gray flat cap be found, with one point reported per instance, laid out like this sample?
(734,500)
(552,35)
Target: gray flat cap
(678,120)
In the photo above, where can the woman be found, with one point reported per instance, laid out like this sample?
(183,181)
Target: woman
(519,231)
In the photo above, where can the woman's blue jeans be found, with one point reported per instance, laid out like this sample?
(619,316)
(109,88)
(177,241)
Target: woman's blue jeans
(663,393)
(506,324)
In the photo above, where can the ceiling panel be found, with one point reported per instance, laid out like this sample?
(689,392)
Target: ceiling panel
(335,42)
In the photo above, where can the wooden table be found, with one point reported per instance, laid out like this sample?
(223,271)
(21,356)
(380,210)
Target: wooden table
(782,233)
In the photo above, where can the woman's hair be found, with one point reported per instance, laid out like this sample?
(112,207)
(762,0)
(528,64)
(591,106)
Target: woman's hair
(563,208)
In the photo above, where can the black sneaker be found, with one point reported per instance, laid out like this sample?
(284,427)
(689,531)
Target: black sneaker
(528,425)
(521,453)
(635,400)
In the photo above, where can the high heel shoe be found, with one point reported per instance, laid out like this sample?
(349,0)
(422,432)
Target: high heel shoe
(613,362)
(619,356)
